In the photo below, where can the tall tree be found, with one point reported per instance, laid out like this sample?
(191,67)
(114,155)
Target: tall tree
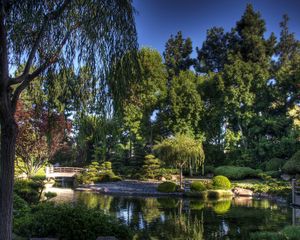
(288,46)
(186,106)
(212,56)
(177,54)
(51,36)
(251,44)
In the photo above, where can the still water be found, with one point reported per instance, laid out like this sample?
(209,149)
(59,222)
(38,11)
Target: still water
(187,219)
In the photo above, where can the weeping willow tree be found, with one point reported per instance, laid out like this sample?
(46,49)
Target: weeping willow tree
(179,151)
(45,37)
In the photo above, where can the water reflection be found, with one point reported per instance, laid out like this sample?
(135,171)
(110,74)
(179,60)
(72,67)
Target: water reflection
(172,218)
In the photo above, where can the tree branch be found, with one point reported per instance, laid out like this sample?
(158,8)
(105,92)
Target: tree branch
(49,17)
(49,61)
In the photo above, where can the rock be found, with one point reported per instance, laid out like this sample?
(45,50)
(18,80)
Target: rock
(242,192)
(285,177)
(162,179)
(175,177)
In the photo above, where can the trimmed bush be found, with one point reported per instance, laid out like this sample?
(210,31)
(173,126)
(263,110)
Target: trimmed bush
(21,207)
(69,222)
(198,186)
(167,187)
(237,173)
(221,182)
(274,164)
(28,190)
(292,166)
(273,174)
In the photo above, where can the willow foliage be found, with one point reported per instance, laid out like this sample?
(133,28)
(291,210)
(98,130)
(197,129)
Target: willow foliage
(181,149)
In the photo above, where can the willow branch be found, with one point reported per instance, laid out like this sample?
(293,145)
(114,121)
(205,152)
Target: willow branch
(49,17)
(49,61)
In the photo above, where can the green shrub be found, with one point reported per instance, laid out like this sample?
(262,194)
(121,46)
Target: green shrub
(274,164)
(21,207)
(273,174)
(291,232)
(70,223)
(233,172)
(49,195)
(198,186)
(167,187)
(104,178)
(151,166)
(221,182)
(28,190)
(292,166)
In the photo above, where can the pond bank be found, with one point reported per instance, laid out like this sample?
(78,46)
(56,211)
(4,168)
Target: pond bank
(146,188)
(127,187)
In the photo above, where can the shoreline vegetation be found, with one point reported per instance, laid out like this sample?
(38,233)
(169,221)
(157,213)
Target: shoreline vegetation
(149,189)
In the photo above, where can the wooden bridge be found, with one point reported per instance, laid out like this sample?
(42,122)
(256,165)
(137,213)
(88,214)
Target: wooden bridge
(61,172)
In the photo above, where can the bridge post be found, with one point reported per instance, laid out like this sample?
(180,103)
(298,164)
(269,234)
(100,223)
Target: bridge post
(293,190)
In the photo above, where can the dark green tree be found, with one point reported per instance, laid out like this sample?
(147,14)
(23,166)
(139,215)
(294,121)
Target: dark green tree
(177,54)
(212,56)
(251,44)
(186,106)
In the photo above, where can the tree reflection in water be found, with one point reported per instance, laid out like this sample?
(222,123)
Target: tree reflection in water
(171,218)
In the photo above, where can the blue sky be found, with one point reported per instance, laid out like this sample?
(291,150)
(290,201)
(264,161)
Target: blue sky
(158,19)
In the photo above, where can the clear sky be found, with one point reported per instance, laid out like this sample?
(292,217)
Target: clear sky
(158,19)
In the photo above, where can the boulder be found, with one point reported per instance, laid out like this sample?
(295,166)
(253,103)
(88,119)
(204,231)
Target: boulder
(163,179)
(242,192)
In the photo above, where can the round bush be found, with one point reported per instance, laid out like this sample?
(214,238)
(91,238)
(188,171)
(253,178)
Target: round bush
(167,187)
(292,166)
(221,182)
(274,164)
(198,186)
(233,172)
(70,223)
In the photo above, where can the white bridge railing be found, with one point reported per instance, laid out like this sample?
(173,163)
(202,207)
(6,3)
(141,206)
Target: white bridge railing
(53,172)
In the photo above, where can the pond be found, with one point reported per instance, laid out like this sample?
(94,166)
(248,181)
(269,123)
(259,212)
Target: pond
(176,218)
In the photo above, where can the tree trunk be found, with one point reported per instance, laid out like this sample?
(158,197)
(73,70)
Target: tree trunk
(8,143)
(180,177)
